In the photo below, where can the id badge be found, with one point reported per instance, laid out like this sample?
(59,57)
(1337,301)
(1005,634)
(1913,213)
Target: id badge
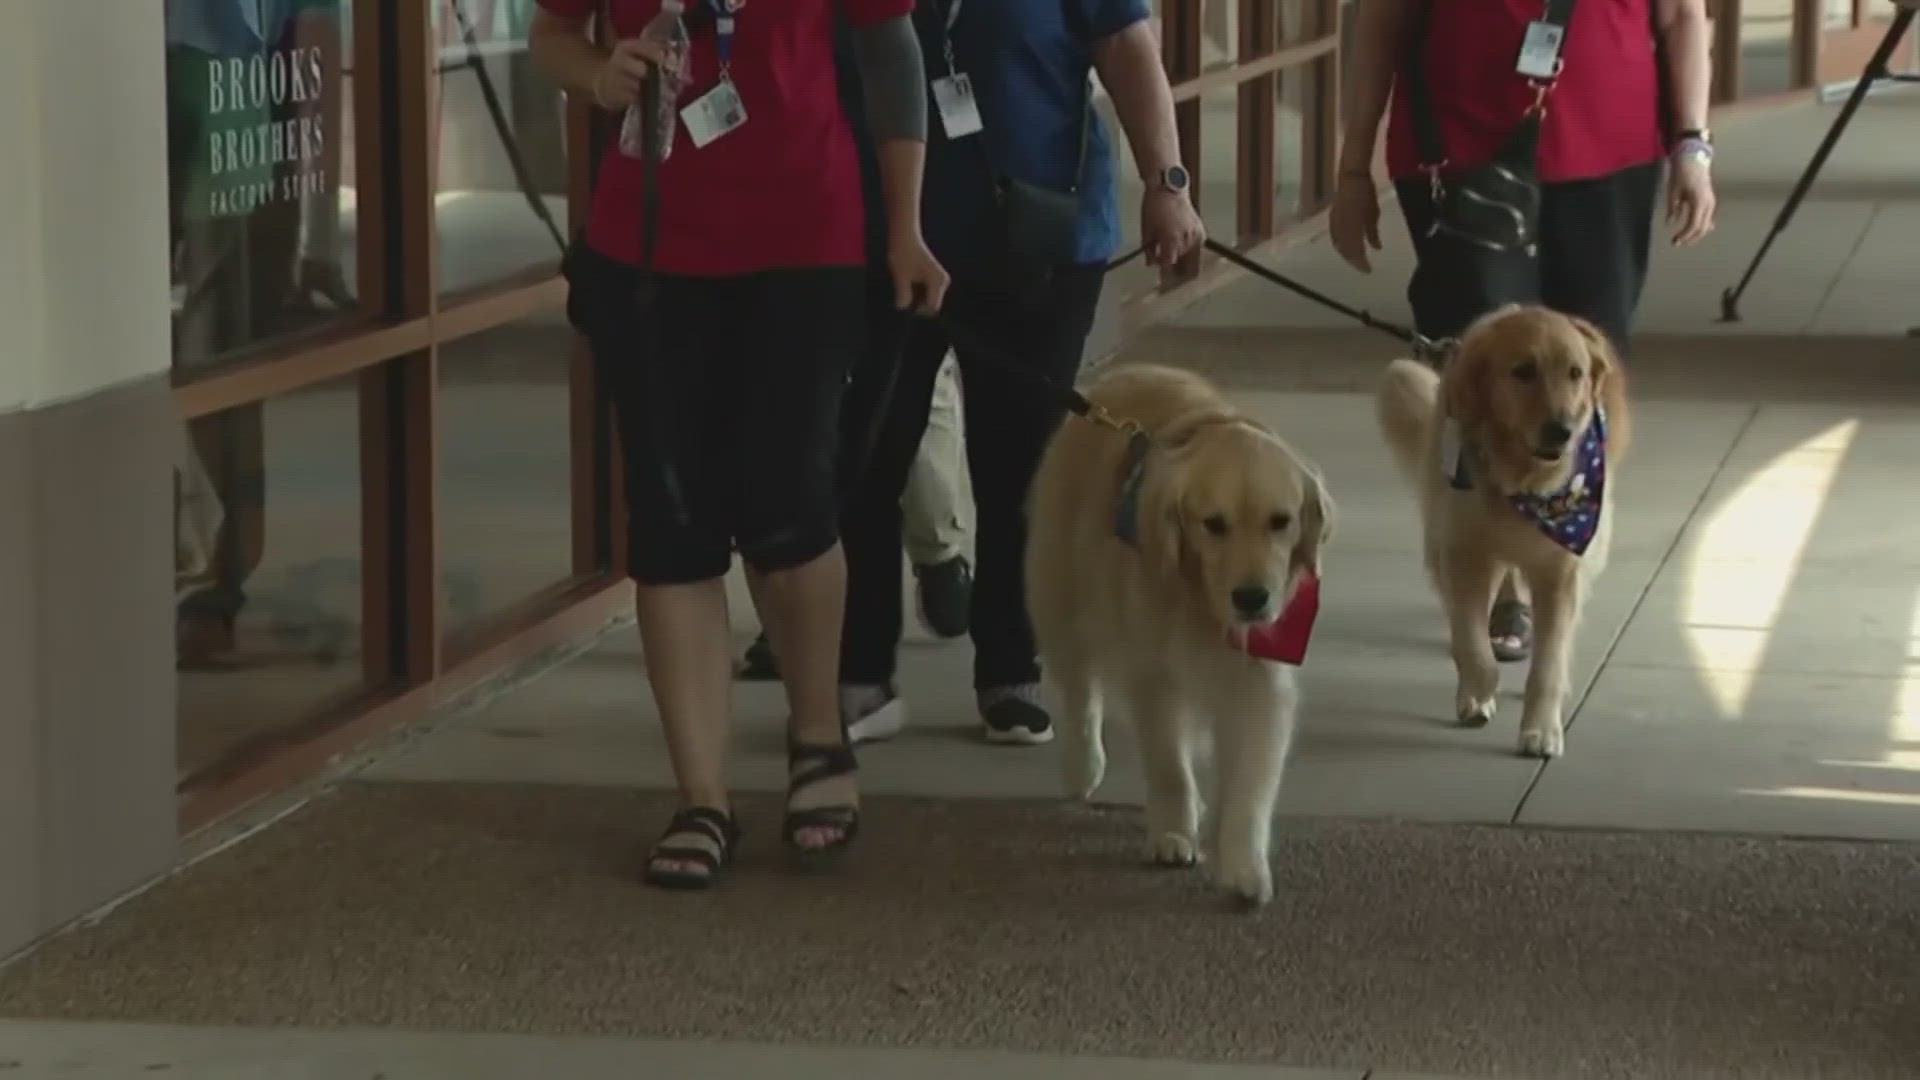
(717,112)
(959,111)
(1540,51)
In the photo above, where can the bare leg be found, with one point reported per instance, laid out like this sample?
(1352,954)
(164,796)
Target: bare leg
(1469,600)
(1252,757)
(1173,799)
(1542,728)
(684,637)
(801,609)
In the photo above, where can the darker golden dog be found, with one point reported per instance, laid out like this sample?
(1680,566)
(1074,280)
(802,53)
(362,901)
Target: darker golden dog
(1512,451)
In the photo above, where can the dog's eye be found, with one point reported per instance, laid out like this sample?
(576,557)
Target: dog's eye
(1216,524)
(1279,522)
(1527,372)
(1575,374)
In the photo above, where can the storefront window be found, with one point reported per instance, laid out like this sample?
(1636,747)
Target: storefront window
(499,141)
(506,521)
(267,568)
(260,166)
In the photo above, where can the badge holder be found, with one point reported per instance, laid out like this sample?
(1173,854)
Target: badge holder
(719,111)
(953,98)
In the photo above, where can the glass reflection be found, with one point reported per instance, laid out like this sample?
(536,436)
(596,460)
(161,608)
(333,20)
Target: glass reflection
(258,172)
(267,568)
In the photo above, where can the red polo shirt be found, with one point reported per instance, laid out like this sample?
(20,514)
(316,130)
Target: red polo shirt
(781,191)
(1603,115)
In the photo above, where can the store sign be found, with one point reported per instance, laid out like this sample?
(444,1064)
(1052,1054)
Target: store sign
(246,82)
(266,134)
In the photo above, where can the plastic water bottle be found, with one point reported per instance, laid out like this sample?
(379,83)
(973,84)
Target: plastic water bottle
(660,97)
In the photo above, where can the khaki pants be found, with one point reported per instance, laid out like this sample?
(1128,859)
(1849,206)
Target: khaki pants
(936,506)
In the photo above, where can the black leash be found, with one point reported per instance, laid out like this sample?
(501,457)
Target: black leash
(1080,405)
(490,95)
(1423,347)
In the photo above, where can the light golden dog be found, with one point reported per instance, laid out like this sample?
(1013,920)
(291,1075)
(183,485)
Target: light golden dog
(1228,520)
(1512,451)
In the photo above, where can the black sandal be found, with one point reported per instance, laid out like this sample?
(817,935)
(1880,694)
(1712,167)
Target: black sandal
(699,835)
(1511,619)
(808,766)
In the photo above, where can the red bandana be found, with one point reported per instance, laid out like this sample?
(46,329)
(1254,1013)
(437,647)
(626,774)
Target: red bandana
(1285,639)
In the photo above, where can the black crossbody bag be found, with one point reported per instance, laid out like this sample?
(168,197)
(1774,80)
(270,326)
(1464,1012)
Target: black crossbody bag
(1494,206)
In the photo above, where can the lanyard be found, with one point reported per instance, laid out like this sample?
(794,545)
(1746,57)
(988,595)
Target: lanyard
(946,36)
(725,14)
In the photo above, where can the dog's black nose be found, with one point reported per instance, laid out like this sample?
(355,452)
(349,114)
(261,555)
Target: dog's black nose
(1555,434)
(1251,599)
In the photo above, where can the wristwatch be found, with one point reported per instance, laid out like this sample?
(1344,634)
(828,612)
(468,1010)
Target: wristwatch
(1173,179)
(1692,144)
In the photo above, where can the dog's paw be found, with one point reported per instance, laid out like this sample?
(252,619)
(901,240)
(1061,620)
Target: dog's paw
(1245,875)
(1473,710)
(1172,850)
(1082,769)
(1543,741)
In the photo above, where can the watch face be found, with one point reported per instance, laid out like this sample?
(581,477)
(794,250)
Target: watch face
(1175,178)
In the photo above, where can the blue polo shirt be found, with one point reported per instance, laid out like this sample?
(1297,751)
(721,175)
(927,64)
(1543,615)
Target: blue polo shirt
(1029,62)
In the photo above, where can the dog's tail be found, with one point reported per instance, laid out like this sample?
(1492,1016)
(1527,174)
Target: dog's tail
(1406,400)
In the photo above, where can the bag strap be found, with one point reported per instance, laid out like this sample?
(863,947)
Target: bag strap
(1428,138)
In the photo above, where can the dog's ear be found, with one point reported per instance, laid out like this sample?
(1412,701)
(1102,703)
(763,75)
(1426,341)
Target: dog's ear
(1164,537)
(1602,361)
(1466,382)
(1609,385)
(1316,521)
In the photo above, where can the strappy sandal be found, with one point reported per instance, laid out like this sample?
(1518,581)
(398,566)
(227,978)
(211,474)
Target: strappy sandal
(809,767)
(1512,622)
(699,835)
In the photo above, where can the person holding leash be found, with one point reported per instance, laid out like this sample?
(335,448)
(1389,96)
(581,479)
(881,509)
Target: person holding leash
(1527,142)
(727,388)
(1021,206)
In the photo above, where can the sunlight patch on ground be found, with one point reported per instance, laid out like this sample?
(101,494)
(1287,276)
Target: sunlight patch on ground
(1730,609)
(1881,798)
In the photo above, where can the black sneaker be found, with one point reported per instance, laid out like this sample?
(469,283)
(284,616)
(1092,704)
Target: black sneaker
(1016,721)
(945,596)
(758,665)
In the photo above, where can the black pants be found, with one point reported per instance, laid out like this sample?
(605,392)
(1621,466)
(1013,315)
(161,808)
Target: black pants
(1008,353)
(1595,236)
(734,392)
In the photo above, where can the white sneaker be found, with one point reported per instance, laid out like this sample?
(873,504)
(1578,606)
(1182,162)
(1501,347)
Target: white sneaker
(872,713)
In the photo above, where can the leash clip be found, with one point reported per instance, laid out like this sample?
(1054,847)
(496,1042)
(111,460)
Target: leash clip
(1431,352)
(1100,415)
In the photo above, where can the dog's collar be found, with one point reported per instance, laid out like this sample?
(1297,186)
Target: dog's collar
(1569,516)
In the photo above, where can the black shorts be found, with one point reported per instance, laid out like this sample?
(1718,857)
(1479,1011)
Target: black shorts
(732,395)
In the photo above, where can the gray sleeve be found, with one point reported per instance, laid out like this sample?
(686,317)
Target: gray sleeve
(893,77)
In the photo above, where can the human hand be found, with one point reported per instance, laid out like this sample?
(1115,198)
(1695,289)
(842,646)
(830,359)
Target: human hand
(919,281)
(616,85)
(1690,198)
(1170,228)
(1354,221)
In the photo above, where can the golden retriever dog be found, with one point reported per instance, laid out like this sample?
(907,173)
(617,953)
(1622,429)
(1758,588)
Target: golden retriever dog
(1227,519)
(1512,449)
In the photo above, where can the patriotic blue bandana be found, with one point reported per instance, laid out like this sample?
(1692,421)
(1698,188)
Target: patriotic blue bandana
(1569,517)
